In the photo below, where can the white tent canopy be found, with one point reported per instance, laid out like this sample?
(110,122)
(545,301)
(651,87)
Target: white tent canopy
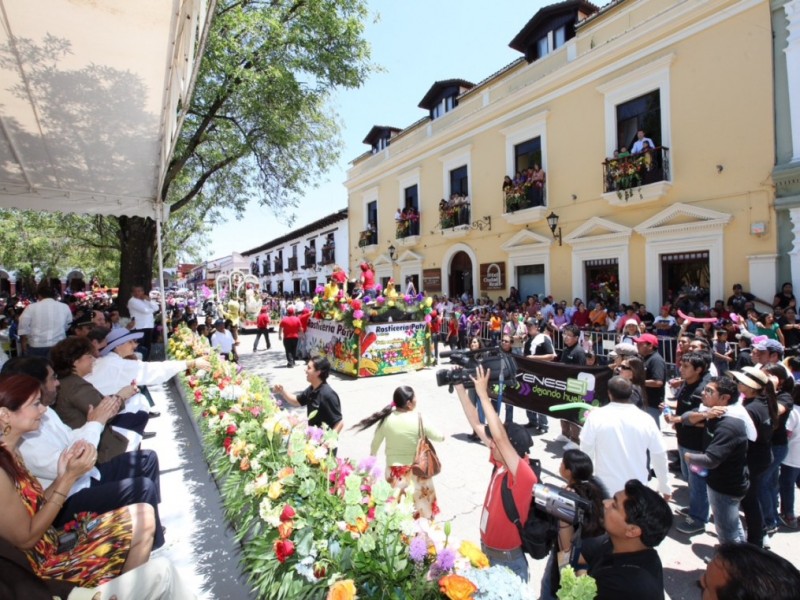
(92,96)
(89,97)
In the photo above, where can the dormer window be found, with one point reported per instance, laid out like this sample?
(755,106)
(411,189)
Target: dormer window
(551,28)
(443,96)
(380,136)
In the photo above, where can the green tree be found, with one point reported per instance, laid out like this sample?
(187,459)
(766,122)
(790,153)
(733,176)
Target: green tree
(259,124)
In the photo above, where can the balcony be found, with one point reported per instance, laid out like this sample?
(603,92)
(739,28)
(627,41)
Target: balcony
(638,178)
(292,266)
(311,261)
(368,237)
(407,229)
(454,220)
(328,254)
(278,267)
(524,204)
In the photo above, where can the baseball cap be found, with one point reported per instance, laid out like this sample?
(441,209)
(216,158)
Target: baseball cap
(518,436)
(632,322)
(769,345)
(646,338)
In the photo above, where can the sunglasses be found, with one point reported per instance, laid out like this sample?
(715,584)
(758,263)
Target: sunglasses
(622,368)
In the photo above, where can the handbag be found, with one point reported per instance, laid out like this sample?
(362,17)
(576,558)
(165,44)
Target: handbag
(426,462)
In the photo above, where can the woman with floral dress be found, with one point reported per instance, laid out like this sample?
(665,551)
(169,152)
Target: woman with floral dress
(105,545)
(399,426)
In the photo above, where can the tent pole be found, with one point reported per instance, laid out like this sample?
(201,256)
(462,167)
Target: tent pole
(159,216)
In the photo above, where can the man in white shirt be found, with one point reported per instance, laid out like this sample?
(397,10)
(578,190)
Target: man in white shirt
(222,340)
(44,323)
(638,145)
(617,437)
(142,309)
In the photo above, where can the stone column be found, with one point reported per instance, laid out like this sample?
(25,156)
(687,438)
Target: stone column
(792,50)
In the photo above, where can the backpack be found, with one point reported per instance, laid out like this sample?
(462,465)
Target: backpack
(540,530)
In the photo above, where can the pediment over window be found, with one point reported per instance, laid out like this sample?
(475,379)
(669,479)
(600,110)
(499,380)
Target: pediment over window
(596,230)
(683,217)
(526,241)
(408,258)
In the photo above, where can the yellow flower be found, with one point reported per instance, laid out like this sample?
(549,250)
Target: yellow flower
(476,558)
(212,409)
(456,587)
(275,490)
(344,589)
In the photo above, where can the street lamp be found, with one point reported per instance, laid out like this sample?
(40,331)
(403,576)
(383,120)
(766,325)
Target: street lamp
(552,221)
(392,253)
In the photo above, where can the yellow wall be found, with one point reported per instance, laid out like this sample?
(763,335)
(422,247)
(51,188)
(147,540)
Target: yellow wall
(721,114)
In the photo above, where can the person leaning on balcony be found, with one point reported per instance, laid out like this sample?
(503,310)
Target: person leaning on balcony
(641,140)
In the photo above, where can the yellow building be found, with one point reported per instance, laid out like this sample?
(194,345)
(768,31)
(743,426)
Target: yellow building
(693,214)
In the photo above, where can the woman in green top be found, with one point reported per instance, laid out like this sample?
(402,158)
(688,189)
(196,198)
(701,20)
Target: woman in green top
(398,426)
(768,327)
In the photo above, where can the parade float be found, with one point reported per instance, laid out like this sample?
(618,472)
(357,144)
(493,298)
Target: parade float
(381,333)
(239,295)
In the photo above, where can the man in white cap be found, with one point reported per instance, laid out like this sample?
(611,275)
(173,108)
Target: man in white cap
(117,367)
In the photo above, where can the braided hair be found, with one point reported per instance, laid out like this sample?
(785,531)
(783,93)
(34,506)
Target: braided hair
(401,398)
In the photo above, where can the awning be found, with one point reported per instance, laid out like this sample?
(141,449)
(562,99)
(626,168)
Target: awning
(89,100)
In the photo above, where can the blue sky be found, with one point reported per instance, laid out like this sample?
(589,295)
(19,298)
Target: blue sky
(416,42)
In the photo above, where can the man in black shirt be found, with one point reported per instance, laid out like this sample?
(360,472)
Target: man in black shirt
(693,370)
(318,397)
(745,571)
(572,354)
(724,457)
(655,372)
(636,519)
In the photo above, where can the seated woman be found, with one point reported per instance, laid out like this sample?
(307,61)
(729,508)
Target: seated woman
(72,361)
(105,546)
(399,425)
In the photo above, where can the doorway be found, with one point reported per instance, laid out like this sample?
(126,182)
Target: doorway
(460,275)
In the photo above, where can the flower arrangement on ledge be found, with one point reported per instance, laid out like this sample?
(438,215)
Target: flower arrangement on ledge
(625,173)
(316,526)
(332,303)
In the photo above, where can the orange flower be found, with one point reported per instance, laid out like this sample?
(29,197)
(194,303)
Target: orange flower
(456,587)
(344,589)
(359,527)
(285,472)
(244,465)
(285,530)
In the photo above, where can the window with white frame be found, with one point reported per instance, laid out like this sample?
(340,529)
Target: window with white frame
(634,93)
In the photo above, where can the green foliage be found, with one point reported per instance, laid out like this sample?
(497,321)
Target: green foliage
(260,125)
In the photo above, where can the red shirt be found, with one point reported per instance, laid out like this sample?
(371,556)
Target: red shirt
(339,277)
(263,320)
(368,280)
(497,531)
(291,326)
(581,319)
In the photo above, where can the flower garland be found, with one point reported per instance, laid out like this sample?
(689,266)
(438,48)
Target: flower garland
(316,526)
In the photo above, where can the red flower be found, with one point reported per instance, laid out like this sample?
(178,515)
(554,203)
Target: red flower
(288,513)
(283,549)
(319,570)
(231,430)
(198,396)
(227,444)
(356,304)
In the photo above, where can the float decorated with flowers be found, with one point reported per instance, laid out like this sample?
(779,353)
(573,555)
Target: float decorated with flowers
(313,525)
(381,333)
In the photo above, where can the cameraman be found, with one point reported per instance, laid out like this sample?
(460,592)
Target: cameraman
(509,446)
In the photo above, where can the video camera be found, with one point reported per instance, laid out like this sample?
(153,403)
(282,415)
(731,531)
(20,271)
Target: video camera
(561,504)
(501,365)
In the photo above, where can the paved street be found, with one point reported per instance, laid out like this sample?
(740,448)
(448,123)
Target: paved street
(203,548)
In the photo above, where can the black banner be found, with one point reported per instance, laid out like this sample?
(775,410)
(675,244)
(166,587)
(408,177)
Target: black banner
(541,385)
